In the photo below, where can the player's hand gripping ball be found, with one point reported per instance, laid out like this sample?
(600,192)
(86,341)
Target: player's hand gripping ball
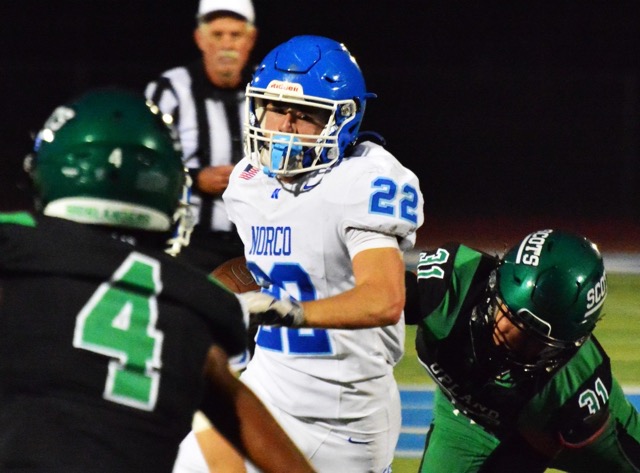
(264,309)
(235,276)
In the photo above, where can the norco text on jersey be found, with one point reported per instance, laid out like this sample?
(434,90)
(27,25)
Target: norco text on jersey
(270,241)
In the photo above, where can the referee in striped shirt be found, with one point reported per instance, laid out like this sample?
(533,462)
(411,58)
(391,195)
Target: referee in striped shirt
(206,99)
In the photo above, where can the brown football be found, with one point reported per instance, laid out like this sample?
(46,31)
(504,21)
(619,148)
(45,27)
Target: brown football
(235,276)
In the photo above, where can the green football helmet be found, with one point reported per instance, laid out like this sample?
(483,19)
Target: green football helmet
(111,158)
(554,285)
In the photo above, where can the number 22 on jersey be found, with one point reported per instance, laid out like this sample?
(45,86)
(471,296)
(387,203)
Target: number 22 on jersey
(119,321)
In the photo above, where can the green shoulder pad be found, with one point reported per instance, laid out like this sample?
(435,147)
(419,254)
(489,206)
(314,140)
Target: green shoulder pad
(18,218)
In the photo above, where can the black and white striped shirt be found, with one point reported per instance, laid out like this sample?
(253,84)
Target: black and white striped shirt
(209,122)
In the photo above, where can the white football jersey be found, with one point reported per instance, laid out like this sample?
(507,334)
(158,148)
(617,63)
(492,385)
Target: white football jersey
(294,238)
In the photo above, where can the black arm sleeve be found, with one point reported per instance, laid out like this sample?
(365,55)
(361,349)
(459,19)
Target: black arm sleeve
(220,397)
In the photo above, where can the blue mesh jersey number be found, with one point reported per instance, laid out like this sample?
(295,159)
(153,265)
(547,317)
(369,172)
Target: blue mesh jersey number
(296,282)
(121,324)
(386,200)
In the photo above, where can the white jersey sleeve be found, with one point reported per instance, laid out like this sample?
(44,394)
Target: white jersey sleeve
(360,240)
(381,195)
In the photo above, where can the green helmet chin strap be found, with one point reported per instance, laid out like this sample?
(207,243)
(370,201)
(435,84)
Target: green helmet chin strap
(111,158)
(554,284)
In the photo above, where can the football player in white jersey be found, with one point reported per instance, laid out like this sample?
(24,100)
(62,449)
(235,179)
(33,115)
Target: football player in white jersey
(324,216)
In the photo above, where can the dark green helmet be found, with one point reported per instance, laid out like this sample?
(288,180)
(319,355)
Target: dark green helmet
(554,285)
(109,158)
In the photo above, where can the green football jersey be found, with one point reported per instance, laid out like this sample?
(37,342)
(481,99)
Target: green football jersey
(572,405)
(102,348)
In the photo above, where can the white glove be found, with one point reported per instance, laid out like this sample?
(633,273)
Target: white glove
(265,309)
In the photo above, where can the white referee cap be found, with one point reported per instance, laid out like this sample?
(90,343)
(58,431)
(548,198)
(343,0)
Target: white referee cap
(243,8)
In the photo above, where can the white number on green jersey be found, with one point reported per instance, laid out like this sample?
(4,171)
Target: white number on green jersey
(429,264)
(594,399)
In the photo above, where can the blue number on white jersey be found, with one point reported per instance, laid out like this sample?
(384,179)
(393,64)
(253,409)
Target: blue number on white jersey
(302,341)
(383,201)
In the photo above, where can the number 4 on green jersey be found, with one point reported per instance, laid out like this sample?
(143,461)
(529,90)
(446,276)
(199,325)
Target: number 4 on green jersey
(119,321)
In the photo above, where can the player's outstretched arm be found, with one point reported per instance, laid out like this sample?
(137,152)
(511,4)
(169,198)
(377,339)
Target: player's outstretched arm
(376,300)
(238,414)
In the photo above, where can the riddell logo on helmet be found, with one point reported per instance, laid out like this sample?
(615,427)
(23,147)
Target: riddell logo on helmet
(531,247)
(289,87)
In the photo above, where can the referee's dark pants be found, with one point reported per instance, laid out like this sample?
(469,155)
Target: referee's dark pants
(208,249)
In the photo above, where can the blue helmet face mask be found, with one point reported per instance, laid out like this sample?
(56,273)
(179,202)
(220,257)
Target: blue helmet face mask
(309,72)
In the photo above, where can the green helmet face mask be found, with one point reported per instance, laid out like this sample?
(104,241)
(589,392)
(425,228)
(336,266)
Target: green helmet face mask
(554,285)
(109,159)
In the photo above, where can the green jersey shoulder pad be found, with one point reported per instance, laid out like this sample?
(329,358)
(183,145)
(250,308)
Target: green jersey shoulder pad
(18,218)
(450,276)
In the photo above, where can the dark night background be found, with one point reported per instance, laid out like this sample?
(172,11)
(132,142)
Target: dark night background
(517,114)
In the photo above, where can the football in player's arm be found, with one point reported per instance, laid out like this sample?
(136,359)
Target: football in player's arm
(522,383)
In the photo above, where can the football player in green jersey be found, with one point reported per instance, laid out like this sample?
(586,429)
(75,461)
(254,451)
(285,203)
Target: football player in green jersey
(107,344)
(523,385)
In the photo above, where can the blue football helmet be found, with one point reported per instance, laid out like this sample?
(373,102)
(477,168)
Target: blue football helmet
(306,71)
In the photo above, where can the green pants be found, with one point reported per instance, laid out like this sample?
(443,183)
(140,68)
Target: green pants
(455,444)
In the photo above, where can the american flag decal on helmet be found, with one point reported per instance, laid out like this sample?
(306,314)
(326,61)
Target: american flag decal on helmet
(248,172)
